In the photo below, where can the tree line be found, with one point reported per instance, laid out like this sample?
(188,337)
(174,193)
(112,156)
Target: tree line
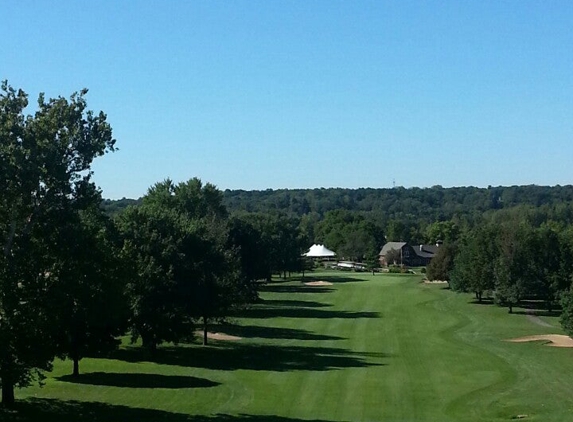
(402,214)
(513,258)
(73,279)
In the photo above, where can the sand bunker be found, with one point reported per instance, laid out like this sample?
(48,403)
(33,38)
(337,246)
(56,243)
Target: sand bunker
(218,336)
(435,281)
(318,283)
(554,340)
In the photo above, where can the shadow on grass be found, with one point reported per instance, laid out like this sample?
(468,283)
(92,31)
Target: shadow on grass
(298,309)
(536,313)
(330,278)
(289,288)
(526,307)
(293,303)
(262,311)
(273,333)
(484,301)
(50,410)
(131,380)
(537,305)
(262,357)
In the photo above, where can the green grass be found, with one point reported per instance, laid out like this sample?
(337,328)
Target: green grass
(367,348)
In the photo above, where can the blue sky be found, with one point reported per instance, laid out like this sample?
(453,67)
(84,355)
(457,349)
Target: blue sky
(299,94)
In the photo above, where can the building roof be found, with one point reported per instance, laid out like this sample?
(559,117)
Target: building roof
(423,251)
(391,245)
(426,251)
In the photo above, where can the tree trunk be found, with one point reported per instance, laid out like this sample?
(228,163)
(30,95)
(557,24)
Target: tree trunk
(8,399)
(76,372)
(149,343)
(204,331)
(511,308)
(75,356)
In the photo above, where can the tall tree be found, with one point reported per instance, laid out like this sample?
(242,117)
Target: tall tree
(246,236)
(185,269)
(153,240)
(551,264)
(567,314)
(442,263)
(474,264)
(446,231)
(514,270)
(45,167)
(350,235)
(90,278)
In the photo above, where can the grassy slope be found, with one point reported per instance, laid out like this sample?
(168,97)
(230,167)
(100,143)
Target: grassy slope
(369,348)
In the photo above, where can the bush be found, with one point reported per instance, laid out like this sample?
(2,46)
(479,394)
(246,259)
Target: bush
(396,269)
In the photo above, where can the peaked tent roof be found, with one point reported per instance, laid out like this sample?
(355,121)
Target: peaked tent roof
(319,251)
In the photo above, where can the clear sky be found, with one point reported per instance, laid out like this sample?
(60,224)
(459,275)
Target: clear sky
(303,94)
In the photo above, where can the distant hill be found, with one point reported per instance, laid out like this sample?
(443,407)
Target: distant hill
(427,204)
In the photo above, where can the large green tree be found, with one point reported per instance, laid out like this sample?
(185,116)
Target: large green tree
(158,291)
(45,170)
(567,314)
(515,273)
(350,235)
(185,269)
(446,231)
(475,263)
(90,278)
(552,263)
(247,237)
(442,263)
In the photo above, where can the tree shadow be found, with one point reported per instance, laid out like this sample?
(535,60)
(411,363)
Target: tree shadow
(293,303)
(138,380)
(537,313)
(298,309)
(484,301)
(289,288)
(536,304)
(284,312)
(334,279)
(261,357)
(51,410)
(253,331)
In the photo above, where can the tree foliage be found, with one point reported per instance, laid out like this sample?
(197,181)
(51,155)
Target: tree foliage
(45,174)
(185,268)
(567,314)
(90,277)
(350,235)
(474,265)
(442,263)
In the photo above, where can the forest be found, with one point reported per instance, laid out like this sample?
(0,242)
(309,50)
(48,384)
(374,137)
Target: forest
(187,254)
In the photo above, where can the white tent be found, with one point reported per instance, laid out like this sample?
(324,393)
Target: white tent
(319,251)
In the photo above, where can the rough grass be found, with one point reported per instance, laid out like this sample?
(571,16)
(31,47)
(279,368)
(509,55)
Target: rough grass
(370,348)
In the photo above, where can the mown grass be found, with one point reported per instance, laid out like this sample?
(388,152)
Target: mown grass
(370,348)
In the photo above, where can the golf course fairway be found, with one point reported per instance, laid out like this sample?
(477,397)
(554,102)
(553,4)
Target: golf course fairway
(358,347)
